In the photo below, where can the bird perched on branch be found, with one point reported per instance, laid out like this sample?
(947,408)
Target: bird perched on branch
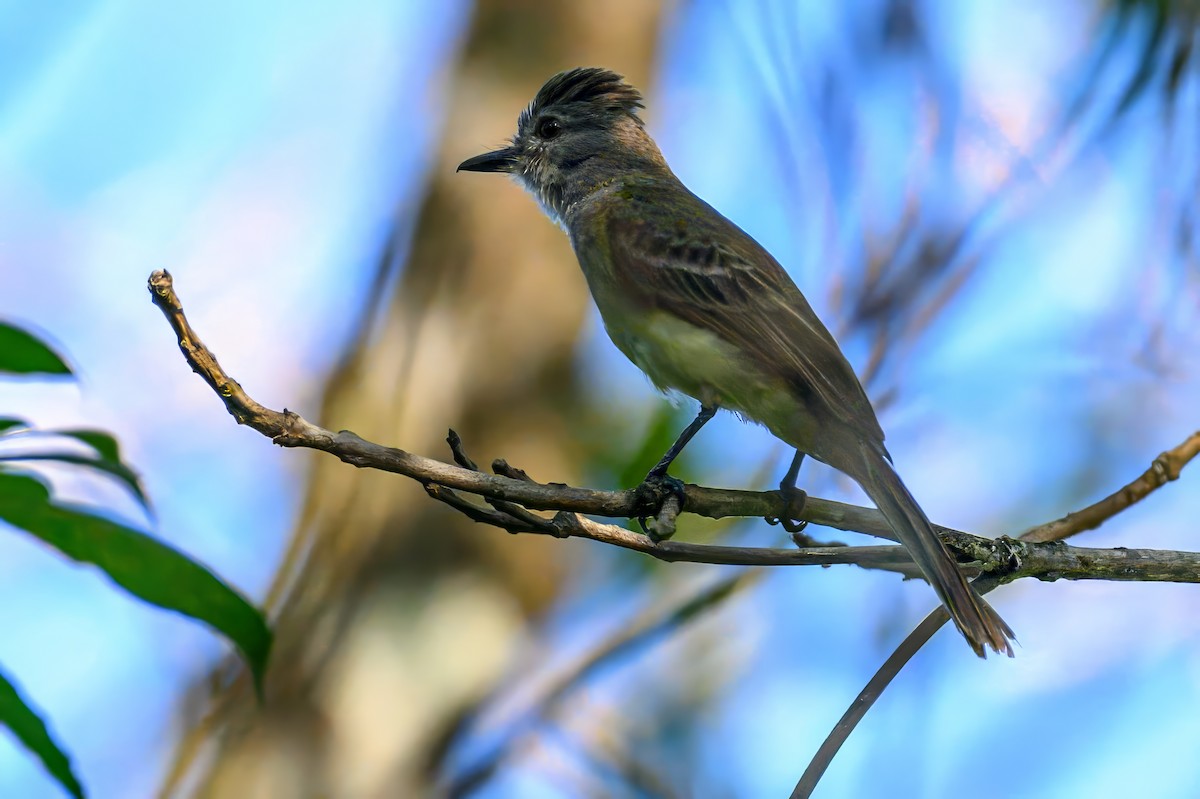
(702,308)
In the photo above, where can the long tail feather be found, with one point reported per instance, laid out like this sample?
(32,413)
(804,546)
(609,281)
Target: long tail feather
(975,618)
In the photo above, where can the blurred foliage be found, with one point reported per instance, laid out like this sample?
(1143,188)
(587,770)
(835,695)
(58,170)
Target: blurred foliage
(30,730)
(22,353)
(104,455)
(143,566)
(650,627)
(1163,36)
(629,469)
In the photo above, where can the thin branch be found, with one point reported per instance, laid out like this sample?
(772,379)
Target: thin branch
(911,644)
(494,518)
(288,429)
(1165,468)
(514,511)
(513,488)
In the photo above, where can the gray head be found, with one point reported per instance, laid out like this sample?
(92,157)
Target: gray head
(580,132)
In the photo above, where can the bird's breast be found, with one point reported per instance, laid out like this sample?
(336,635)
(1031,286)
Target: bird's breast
(678,355)
(674,353)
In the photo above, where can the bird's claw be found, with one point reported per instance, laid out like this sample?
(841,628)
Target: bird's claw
(652,493)
(796,498)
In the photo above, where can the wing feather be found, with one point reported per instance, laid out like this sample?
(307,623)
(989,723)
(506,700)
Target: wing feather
(711,273)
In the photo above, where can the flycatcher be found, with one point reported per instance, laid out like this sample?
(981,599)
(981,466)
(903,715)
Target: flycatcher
(702,308)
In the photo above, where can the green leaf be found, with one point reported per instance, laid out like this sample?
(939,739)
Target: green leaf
(117,470)
(105,445)
(142,565)
(8,424)
(23,354)
(31,731)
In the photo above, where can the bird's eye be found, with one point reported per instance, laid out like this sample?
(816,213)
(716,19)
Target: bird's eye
(548,128)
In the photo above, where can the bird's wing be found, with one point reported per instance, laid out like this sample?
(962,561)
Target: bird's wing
(711,273)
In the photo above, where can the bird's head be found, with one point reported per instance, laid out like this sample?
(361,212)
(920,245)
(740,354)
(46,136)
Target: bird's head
(581,130)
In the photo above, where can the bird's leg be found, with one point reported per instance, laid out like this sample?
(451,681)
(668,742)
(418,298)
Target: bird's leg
(655,488)
(794,497)
(689,432)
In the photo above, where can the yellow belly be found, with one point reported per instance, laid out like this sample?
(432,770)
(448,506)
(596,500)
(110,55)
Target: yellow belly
(676,354)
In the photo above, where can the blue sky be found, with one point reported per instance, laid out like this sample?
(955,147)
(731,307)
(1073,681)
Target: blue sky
(253,145)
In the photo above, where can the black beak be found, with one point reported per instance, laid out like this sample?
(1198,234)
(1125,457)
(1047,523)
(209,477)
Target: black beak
(495,161)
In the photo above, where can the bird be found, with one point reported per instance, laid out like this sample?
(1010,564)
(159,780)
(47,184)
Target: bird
(703,309)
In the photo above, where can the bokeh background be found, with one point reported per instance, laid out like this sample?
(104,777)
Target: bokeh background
(994,205)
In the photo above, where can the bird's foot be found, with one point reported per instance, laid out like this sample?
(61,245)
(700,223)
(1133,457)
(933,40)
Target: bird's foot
(790,521)
(659,500)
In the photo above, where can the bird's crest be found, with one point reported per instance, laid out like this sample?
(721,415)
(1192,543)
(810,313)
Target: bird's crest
(592,85)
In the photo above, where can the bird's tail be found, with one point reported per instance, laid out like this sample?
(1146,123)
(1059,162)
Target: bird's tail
(975,618)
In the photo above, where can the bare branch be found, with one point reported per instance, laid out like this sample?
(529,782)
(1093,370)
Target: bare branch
(288,429)
(534,523)
(1165,468)
(910,646)
(512,494)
